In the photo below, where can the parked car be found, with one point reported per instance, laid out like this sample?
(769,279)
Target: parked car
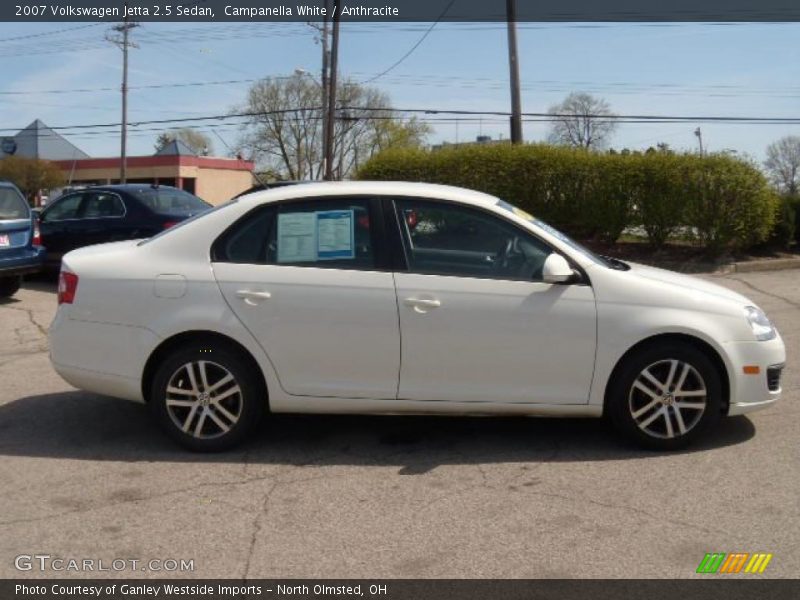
(402,298)
(21,251)
(110,213)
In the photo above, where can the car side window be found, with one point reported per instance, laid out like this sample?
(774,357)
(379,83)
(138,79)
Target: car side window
(101,205)
(440,238)
(331,233)
(62,209)
(246,242)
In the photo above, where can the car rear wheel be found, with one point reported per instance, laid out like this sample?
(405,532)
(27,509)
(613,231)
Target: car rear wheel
(666,396)
(206,398)
(9,286)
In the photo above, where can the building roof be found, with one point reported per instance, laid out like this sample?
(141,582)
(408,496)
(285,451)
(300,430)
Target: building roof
(37,140)
(176,148)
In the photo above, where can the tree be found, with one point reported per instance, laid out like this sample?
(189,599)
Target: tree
(581,121)
(284,133)
(783,164)
(198,141)
(31,175)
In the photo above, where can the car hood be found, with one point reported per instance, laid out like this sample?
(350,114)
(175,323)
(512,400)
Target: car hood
(687,283)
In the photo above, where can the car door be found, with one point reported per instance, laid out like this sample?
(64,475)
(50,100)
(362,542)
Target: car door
(309,280)
(56,223)
(101,219)
(477,322)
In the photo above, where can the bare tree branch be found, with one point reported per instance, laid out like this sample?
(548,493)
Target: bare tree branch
(581,121)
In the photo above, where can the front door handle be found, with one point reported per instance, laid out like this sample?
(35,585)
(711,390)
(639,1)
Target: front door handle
(251,297)
(422,305)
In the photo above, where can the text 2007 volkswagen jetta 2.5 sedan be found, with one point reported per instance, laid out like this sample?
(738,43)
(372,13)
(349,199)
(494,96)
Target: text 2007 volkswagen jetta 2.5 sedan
(401,298)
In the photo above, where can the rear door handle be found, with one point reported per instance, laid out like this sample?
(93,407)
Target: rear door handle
(422,305)
(251,297)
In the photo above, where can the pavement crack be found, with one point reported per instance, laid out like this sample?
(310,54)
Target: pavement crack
(42,329)
(257,525)
(97,507)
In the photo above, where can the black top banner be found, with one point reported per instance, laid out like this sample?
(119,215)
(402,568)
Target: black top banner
(402,10)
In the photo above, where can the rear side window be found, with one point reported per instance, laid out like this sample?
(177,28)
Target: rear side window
(171,201)
(102,205)
(12,204)
(331,233)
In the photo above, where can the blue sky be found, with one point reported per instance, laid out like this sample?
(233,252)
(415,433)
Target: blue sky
(674,69)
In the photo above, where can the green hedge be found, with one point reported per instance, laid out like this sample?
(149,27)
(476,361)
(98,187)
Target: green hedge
(723,202)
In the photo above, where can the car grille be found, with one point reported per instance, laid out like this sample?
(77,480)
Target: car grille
(774,377)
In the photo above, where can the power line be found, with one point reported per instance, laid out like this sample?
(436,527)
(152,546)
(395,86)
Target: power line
(414,47)
(439,111)
(47,33)
(726,90)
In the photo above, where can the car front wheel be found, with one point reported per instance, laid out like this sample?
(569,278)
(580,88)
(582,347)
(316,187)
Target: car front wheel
(666,396)
(206,398)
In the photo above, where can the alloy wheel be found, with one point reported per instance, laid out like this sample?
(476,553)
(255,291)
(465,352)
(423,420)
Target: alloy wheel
(203,399)
(668,399)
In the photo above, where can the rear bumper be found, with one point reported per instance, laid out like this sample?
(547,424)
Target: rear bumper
(27,261)
(752,392)
(82,353)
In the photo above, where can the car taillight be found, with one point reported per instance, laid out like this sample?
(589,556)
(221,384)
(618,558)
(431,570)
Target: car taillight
(37,234)
(168,224)
(67,287)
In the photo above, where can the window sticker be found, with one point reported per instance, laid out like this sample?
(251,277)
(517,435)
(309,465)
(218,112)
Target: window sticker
(335,234)
(297,237)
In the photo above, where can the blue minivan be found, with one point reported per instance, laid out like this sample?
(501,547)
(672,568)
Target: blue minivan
(20,252)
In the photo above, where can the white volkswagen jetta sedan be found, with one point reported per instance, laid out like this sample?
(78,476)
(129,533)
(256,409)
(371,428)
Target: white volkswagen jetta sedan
(401,298)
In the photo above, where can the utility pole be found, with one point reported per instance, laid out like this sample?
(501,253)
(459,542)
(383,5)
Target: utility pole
(513,65)
(699,135)
(330,120)
(326,55)
(123,43)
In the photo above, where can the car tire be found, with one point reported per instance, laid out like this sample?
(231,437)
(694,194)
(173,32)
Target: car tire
(665,396)
(9,286)
(207,397)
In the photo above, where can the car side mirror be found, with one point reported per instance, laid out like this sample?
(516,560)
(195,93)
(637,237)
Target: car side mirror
(556,269)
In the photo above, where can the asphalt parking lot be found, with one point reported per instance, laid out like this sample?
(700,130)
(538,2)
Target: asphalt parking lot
(83,476)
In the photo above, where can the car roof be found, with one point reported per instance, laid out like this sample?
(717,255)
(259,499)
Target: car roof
(129,187)
(378,188)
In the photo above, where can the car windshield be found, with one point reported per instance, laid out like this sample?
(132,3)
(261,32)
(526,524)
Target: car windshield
(600,260)
(12,204)
(171,201)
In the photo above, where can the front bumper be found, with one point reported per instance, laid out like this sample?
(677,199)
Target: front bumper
(750,392)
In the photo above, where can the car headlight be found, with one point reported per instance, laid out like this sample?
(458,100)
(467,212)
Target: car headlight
(759,323)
